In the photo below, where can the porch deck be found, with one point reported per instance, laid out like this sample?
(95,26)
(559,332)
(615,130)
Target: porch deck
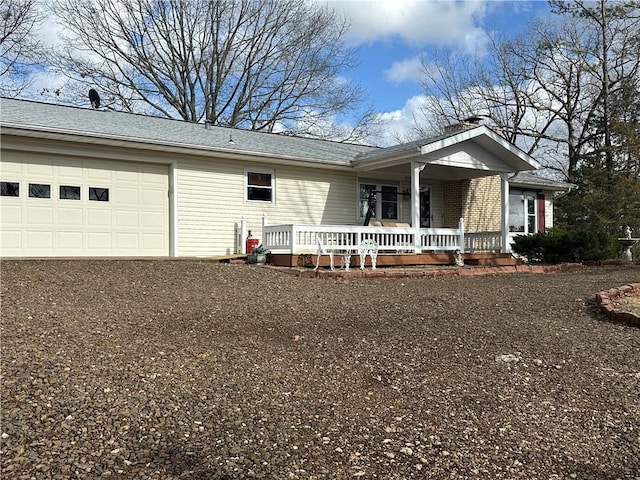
(294,245)
(397,260)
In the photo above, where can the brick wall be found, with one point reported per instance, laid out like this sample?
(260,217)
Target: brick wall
(476,200)
(482,204)
(453,194)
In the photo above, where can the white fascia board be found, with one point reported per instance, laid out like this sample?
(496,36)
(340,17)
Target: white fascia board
(167,147)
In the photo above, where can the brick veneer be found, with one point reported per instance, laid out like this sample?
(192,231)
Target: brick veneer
(476,200)
(608,306)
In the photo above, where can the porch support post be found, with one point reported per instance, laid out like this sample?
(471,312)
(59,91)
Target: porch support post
(504,220)
(416,168)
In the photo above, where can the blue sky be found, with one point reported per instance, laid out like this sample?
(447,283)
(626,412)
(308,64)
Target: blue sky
(392,36)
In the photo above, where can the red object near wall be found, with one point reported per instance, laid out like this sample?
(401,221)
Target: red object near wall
(251,244)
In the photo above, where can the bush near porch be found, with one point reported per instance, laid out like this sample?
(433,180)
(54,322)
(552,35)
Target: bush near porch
(560,245)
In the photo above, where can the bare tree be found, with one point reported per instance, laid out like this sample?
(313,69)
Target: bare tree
(19,19)
(271,65)
(548,90)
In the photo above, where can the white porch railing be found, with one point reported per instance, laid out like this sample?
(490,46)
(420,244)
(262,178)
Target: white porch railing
(483,242)
(293,238)
(304,238)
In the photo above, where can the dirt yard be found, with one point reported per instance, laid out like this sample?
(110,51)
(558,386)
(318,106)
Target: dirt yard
(195,370)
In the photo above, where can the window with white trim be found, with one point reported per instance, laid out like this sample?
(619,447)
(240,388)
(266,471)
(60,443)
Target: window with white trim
(384,201)
(97,194)
(259,185)
(69,192)
(39,190)
(9,189)
(523,216)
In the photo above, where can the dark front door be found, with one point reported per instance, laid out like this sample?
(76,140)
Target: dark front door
(425,207)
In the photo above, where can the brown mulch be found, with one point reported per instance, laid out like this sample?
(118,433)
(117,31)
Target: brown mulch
(195,370)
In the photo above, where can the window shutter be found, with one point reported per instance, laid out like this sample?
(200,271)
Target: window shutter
(541,215)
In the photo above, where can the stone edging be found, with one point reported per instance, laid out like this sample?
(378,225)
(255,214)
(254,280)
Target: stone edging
(446,272)
(606,301)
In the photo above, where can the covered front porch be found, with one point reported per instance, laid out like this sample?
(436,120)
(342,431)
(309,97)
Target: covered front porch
(444,200)
(297,245)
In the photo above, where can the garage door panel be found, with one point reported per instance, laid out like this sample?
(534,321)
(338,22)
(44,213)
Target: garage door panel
(39,240)
(99,218)
(70,216)
(132,220)
(39,169)
(41,216)
(126,241)
(153,220)
(69,241)
(126,175)
(11,213)
(72,171)
(152,241)
(99,241)
(153,179)
(125,196)
(11,240)
(127,218)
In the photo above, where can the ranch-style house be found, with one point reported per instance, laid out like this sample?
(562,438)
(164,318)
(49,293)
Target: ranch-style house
(77,182)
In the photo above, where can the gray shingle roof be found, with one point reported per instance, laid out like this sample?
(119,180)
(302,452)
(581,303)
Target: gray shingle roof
(528,179)
(86,121)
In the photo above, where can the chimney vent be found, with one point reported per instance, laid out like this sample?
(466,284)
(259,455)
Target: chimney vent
(466,124)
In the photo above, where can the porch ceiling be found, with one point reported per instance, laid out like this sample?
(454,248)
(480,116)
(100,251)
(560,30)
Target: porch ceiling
(468,154)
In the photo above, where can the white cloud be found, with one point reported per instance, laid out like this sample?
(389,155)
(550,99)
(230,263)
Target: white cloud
(408,70)
(416,22)
(399,122)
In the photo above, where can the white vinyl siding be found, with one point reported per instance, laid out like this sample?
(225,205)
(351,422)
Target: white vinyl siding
(211,202)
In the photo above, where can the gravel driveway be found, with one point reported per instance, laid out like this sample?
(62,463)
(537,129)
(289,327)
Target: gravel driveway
(195,370)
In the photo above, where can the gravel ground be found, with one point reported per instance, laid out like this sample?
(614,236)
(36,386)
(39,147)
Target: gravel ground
(196,370)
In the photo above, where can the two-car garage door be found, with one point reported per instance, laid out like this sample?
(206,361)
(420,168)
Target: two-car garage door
(60,206)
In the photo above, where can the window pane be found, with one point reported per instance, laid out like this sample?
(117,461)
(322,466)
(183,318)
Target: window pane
(9,189)
(39,190)
(390,194)
(389,203)
(69,193)
(516,212)
(389,211)
(365,191)
(531,205)
(99,194)
(262,194)
(259,179)
(260,186)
